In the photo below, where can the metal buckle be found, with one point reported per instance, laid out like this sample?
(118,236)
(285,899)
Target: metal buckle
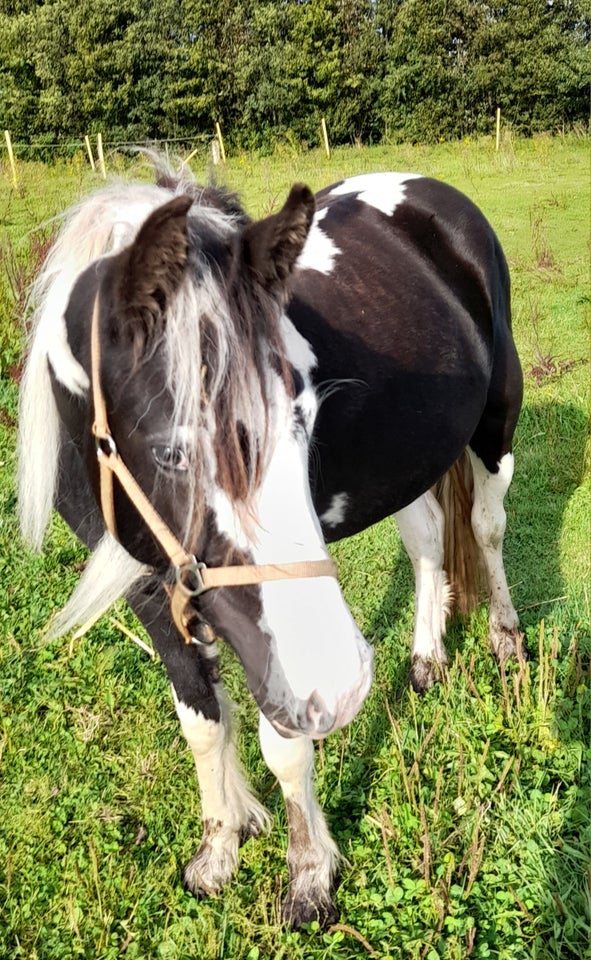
(191,571)
(105,446)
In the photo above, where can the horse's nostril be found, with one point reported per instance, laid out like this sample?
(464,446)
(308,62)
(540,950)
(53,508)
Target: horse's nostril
(320,718)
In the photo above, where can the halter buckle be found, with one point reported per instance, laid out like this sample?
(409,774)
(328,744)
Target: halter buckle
(105,445)
(189,579)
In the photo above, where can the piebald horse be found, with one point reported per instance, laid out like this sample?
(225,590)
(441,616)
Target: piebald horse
(208,401)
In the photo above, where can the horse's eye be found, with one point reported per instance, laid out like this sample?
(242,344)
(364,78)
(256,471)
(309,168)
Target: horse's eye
(171,458)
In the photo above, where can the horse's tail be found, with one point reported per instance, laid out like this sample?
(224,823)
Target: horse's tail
(100,224)
(462,558)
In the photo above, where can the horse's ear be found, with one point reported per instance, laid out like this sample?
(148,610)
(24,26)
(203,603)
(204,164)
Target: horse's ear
(151,270)
(270,247)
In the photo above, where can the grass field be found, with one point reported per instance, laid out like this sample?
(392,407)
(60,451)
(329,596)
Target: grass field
(464,815)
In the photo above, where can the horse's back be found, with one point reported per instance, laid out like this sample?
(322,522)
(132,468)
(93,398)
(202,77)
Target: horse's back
(403,294)
(393,258)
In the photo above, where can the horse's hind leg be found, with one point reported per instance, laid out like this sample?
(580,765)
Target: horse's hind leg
(312,855)
(230,813)
(488,523)
(421,527)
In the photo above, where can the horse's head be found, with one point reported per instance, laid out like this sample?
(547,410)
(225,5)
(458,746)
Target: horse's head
(210,403)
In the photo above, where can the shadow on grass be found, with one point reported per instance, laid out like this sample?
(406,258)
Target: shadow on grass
(550,462)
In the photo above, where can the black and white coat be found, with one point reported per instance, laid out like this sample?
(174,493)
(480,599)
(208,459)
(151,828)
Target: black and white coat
(275,386)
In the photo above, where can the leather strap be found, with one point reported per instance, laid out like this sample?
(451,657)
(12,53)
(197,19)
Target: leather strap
(248,574)
(193,578)
(100,427)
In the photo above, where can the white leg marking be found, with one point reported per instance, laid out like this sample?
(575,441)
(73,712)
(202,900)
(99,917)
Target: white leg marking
(488,522)
(421,529)
(312,854)
(229,810)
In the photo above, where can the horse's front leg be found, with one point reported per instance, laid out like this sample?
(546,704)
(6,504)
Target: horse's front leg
(312,855)
(421,527)
(230,812)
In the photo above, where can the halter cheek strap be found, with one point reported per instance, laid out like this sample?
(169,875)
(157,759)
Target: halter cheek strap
(192,576)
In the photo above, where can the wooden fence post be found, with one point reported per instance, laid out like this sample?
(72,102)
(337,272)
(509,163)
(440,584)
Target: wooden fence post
(89,152)
(101,156)
(11,158)
(191,155)
(325,137)
(498,128)
(218,133)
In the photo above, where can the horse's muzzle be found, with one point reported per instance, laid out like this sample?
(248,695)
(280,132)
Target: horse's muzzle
(315,718)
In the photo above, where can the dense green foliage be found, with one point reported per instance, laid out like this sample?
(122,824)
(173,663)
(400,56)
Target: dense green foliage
(375,69)
(463,815)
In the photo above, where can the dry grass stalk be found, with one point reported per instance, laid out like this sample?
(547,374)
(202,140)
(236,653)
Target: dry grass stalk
(133,637)
(415,766)
(385,844)
(504,774)
(476,855)
(521,905)
(427,857)
(345,928)
(469,680)
(398,745)
(507,707)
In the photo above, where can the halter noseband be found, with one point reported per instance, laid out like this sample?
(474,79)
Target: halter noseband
(192,576)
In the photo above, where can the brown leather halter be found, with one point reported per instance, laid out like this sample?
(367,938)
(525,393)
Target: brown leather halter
(192,576)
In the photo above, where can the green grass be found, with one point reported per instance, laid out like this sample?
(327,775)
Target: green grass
(464,815)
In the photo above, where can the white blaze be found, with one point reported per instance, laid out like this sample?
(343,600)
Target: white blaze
(317,642)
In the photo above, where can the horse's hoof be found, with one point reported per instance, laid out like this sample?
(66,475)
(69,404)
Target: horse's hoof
(299,909)
(425,673)
(198,877)
(194,878)
(212,866)
(507,644)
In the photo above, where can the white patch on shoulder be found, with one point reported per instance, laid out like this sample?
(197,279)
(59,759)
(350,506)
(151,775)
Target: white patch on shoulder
(63,363)
(297,348)
(319,251)
(384,191)
(336,512)
(300,354)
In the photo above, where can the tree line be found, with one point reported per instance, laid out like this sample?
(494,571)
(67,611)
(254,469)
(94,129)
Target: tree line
(418,70)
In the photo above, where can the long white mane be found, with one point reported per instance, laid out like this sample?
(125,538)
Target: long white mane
(100,225)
